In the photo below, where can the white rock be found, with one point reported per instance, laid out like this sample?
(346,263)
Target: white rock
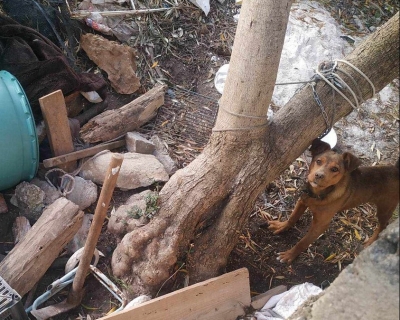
(138,170)
(84,193)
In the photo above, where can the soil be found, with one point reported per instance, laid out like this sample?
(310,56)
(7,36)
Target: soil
(190,62)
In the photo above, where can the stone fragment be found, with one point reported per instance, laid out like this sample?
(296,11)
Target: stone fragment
(30,200)
(138,170)
(162,155)
(78,241)
(84,193)
(51,193)
(135,142)
(116,59)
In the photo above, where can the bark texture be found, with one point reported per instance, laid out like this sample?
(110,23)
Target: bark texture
(114,123)
(203,206)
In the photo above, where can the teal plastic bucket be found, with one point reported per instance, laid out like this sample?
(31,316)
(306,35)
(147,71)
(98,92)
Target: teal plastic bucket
(19,147)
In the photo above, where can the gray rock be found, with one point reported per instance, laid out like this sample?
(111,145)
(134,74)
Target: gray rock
(131,215)
(51,193)
(367,289)
(138,170)
(29,200)
(78,241)
(136,143)
(161,153)
(84,193)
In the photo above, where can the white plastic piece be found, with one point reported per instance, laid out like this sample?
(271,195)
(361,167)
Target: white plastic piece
(202,4)
(285,304)
(220,78)
(92,96)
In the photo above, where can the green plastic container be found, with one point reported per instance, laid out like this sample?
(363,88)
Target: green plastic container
(19,147)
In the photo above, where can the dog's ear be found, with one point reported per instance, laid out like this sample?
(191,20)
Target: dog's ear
(350,161)
(318,146)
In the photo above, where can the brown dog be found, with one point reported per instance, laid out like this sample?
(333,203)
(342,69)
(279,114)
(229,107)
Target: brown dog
(335,183)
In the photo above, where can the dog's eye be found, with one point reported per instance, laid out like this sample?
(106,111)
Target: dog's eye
(318,162)
(334,169)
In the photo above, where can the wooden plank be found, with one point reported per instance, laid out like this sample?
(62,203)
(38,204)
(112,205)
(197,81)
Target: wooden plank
(260,300)
(56,120)
(52,162)
(222,298)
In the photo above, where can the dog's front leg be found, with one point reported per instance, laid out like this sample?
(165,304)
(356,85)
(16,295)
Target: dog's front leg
(319,224)
(280,226)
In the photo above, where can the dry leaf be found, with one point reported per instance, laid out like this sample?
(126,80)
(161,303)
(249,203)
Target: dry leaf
(111,310)
(331,257)
(378,154)
(357,234)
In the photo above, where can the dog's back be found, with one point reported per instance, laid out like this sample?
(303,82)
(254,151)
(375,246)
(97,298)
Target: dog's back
(378,185)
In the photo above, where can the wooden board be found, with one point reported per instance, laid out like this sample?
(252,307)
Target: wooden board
(220,298)
(51,162)
(56,120)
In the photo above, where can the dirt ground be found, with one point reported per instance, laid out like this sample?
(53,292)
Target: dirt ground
(190,62)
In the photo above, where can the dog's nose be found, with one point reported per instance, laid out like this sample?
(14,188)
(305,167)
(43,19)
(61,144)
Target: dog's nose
(319,175)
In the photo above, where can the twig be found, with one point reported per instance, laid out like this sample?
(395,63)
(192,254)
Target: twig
(84,13)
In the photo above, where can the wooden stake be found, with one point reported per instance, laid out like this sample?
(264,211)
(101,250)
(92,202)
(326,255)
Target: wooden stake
(56,120)
(100,213)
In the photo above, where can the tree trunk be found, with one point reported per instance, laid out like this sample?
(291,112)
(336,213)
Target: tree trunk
(204,206)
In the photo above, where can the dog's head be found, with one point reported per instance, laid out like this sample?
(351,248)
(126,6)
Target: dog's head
(328,166)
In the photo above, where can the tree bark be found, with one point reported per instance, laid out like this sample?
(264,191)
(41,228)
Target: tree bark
(204,206)
(113,123)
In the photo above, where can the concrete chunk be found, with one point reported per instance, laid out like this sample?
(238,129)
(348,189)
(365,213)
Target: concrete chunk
(136,143)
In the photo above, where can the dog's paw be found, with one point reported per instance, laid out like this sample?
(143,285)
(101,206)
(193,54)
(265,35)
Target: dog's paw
(286,257)
(278,226)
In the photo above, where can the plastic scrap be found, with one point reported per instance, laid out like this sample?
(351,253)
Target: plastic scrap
(202,4)
(220,78)
(283,305)
(118,26)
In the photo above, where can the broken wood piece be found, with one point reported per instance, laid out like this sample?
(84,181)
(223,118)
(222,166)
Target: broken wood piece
(20,228)
(118,60)
(76,155)
(57,127)
(28,261)
(223,298)
(260,300)
(114,123)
